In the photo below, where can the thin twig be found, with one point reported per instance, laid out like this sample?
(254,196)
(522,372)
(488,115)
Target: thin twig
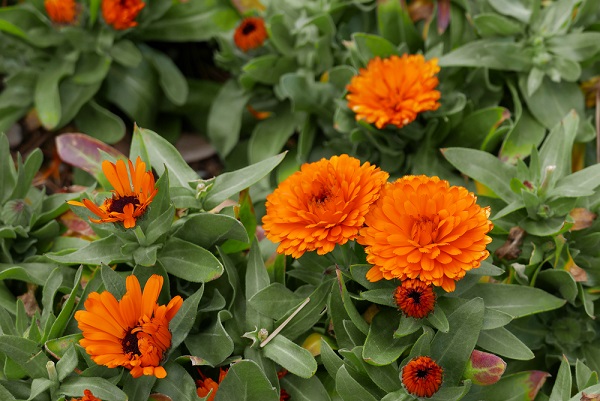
(285,322)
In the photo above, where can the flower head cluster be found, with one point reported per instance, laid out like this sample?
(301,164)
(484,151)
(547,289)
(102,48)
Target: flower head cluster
(133,332)
(130,197)
(394,90)
(61,11)
(121,14)
(423,228)
(422,376)
(250,33)
(322,205)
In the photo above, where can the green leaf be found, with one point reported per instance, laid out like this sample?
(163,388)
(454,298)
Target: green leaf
(26,354)
(46,96)
(381,348)
(502,342)
(490,25)
(438,320)
(561,391)
(270,135)
(349,389)
(330,359)
(584,375)
(556,149)
(383,296)
(225,118)
(67,363)
(269,68)
(452,350)
(184,320)
(515,300)
(245,381)
(371,46)
(275,300)
(579,46)
(228,184)
(189,261)
(562,280)
(105,250)
(171,79)
(178,384)
(126,53)
(484,167)
(476,127)
(580,183)
(301,389)
(291,356)
(8,175)
(139,388)
(526,134)
(162,155)
(61,321)
(207,230)
(213,344)
(395,25)
(491,53)
(522,386)
(98,122)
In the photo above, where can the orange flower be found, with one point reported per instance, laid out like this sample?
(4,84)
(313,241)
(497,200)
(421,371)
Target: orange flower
(206,384)
(422,376)
(133,332)
(121,14)
(394,90)
(421,227)
(415,298)
(61,11)
(87,396)
(321,205)
(129,200)
(250,33)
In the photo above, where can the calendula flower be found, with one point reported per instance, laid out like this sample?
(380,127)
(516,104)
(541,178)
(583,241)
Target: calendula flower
(415,298)
(422,376)
(322,205)
(133,332)
(61,11)
(87,396)
(206,384)
(394,90)
(250,33)
(423,228)
(121,14)
(130,197)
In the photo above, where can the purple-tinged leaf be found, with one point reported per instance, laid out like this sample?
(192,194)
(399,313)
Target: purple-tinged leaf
(83,151)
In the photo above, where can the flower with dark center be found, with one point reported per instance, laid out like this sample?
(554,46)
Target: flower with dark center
(250,34)
(61,11)
(415,298)
(121,14)
(422,376)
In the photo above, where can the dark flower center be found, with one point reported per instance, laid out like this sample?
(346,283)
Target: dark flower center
(130,343)
(415,296)
(422,373)
(118,204)
(248,28)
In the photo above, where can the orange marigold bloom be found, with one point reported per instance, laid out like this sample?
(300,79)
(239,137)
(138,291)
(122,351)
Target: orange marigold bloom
(61,11)
(415,298)
(394,90)
(133,332)
(130,197)
(87,396)
(121,14)
(422,376)
(250,33)
(206,384)
(423,228)
(321,205)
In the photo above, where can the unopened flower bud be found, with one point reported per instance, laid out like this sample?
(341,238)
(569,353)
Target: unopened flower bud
(484,368)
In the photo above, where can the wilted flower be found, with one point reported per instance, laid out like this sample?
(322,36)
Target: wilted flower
(250,33)
(422,376)
(133,332)
(121,14)
(87,396)
(484,368)
(322,205)
(415,298)
(130,197)
(423,228)
(206,384)
(61,11)
(394,90)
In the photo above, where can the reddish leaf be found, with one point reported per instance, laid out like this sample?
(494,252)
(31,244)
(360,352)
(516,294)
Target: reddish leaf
(83,151)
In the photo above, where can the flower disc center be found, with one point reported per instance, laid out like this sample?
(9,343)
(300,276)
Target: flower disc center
(118,204)
(130,343)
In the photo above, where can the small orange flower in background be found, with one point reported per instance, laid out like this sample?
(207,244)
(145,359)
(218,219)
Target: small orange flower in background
(61,11)
(87,396)
(133,332)
(121,14)
(423,228)
(394,90)
(322,205)
(130,197)
(206,384)
(415,298)
(250,33)
(422,376)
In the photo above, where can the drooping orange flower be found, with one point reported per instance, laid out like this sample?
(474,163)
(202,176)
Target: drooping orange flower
(415,298)
(206,384)
(250,33)
(130,197)
(322,205)
(121,14)
(87,396)
(61,11)
(394,90)
(423,228)
(422,376)
(133,332)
